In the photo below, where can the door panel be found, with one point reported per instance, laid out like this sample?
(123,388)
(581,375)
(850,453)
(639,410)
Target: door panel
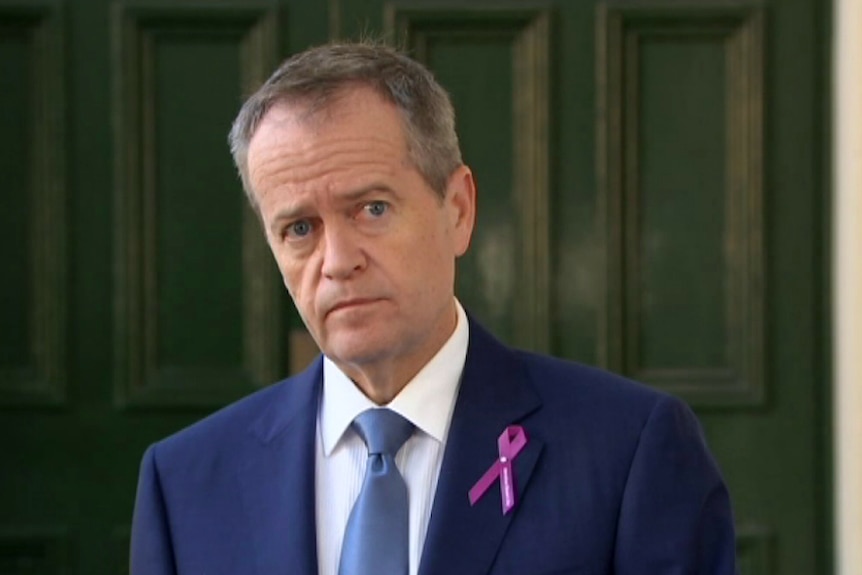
(649,200)
(32,308)
(197,293)
(496,67)
(681,182)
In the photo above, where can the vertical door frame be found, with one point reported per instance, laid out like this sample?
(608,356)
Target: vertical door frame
(847,283)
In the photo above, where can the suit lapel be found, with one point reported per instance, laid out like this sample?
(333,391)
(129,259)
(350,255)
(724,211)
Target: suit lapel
(277,478)
(494,394)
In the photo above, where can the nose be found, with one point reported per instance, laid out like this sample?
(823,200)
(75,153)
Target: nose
(342,253)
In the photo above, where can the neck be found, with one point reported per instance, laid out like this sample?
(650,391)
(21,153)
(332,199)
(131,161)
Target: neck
(381,381)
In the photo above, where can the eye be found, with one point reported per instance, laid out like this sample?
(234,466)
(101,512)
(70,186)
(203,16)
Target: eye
(376,208)
(298,229)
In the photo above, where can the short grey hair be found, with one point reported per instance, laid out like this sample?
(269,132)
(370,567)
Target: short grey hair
(318,75)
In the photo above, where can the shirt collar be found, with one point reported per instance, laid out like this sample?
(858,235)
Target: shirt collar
(427,401)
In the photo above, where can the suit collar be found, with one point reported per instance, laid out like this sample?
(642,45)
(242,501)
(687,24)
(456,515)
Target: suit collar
(291,403)
(277,477)
(495,393)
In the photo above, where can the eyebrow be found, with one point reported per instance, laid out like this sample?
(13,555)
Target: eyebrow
(365,191)
(349,197)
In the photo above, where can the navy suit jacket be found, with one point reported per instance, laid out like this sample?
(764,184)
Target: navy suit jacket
(615,479)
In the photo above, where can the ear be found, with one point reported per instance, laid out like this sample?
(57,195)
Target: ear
(461,207)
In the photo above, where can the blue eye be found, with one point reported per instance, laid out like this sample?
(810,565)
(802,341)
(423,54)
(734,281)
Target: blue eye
(376,208)
(298,229)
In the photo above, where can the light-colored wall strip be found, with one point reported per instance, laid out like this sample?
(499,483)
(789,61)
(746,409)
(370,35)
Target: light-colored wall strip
(847,276)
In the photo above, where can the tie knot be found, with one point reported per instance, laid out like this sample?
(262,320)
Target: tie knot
(382,430)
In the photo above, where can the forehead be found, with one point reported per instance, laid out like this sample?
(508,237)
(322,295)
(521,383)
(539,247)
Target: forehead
(354,112)
(296,145)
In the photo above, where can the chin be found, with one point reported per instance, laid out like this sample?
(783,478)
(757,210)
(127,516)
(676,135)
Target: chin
(358,349)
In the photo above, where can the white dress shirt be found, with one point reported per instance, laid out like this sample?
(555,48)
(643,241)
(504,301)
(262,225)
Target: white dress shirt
(427,401)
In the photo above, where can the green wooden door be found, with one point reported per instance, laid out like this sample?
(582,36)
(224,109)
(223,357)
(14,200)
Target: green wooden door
(651,199)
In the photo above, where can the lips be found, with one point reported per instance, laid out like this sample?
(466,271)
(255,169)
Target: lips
(351,304)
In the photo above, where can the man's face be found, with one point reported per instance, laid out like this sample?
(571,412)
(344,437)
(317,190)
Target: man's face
(366,248)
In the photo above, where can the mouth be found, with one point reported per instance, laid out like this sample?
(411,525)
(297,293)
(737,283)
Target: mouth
(352,304)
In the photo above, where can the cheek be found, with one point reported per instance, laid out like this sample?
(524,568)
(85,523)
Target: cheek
(291,274)
(431,263)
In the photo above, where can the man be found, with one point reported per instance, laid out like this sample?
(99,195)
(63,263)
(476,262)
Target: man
(508,462)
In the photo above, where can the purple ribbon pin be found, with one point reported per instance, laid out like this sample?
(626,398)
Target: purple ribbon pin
(510,443)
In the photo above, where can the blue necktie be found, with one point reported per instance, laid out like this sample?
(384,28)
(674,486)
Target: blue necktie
(376,538)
